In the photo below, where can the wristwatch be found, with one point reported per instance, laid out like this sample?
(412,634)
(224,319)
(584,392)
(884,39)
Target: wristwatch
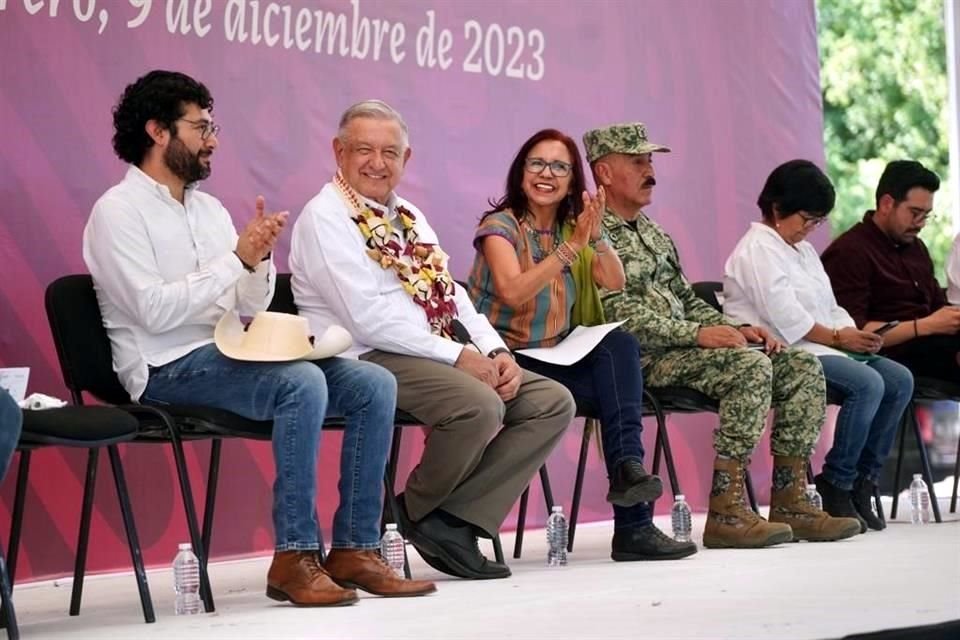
(498,351)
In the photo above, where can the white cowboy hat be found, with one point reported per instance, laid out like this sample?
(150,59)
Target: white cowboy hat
(277,337)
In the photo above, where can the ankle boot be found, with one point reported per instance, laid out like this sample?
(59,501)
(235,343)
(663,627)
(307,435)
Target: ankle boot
(789,505)
(731,523)
(863,490)
(836,501)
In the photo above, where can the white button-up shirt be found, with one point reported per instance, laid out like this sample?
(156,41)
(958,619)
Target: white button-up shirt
(953,272)
(165,273)
(770,283)
(336,282)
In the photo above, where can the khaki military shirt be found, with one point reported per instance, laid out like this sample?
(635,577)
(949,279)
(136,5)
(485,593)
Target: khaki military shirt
(657,305)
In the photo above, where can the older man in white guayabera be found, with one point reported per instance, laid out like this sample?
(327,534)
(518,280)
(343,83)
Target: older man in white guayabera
(364,258)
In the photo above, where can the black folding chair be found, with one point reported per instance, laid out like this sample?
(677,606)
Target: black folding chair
(86,362)
(91,428)
(925,390)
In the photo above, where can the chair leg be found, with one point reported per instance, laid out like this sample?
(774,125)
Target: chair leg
(83,537)
(748,481)
(589,426)
(878,503)
(896,474)
(16,526)
(521,522)
(927,471)
(213,477)
(131,529)
(8,616)
(392,468)
(498,550)
(545,485)
(663,436)
(186,493)
(956,480)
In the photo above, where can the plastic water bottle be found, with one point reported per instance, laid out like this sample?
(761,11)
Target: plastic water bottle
(919,501)
(681,519)
(557,538)
(186,581)
(813,497)
(391,549)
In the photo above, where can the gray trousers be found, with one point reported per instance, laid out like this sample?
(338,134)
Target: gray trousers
(471,467)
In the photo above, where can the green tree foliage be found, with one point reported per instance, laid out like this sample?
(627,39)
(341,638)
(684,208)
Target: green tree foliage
(884,76)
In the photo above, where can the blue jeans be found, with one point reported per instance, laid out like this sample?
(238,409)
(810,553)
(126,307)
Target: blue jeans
(875,394)
(297,396)
(11,421)
(608,382)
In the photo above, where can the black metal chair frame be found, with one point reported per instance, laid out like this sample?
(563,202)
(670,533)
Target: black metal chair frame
(83,349)
(26,448)
(8,614)
(925,390)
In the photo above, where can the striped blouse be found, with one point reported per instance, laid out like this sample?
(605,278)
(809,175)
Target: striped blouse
(543,320)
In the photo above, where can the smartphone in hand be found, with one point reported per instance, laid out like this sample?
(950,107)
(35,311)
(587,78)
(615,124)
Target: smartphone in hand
(886,327)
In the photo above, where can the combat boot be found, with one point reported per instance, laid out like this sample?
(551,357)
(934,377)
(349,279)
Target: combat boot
(731,523)
(789,505)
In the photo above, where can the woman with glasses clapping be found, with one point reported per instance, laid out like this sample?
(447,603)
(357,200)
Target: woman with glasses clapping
(775,278)
(541,256)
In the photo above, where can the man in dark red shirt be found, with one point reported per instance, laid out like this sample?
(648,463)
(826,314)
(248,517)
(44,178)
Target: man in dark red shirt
(881,271)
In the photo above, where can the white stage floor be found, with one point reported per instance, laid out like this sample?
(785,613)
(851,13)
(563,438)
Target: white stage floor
(904,576)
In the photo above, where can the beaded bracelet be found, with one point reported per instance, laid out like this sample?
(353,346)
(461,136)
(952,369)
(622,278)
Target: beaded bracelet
(566,254)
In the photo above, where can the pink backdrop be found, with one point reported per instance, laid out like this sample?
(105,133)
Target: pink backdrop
(732,86)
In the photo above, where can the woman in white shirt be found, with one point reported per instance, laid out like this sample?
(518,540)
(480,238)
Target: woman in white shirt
(774,278)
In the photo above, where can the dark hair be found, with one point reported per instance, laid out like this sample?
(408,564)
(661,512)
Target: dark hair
(159,95)
(797,185)
(902,175)
(516,200)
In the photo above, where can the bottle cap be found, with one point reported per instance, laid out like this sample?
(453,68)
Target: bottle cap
(811,486)
(679,497)
(918,476)
(185,546)
(391,526)
(557,508)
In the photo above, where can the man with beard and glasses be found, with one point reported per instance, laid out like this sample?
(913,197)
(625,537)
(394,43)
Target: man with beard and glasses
(168,263)
(686,342)
(881,271)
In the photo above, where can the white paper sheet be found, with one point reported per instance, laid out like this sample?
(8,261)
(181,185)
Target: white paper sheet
(574,347)
(14,380)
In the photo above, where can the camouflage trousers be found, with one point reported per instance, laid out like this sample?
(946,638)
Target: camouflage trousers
(748,384)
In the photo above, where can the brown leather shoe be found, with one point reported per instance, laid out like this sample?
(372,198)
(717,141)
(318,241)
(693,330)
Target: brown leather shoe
(366,570)
(299,577)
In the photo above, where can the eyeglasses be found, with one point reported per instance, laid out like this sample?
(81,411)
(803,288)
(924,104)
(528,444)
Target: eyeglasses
(922,216)
(812,222)
(205,127)
(558,168)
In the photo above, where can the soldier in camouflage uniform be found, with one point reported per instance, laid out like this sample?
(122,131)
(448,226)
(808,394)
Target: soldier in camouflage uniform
(689,343)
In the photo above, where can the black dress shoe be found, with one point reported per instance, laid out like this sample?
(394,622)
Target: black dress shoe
(837,502)
(648,543)
(863,491)
(631,484)
(448,549)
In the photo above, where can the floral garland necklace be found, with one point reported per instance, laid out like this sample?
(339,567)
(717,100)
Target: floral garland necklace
(420,267)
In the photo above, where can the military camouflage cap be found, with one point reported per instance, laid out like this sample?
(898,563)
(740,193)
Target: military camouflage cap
(629,137)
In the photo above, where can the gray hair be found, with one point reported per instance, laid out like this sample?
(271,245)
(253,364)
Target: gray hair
(376,109)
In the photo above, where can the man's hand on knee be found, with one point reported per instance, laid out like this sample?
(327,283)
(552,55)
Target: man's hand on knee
(510,376)
(482,368)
